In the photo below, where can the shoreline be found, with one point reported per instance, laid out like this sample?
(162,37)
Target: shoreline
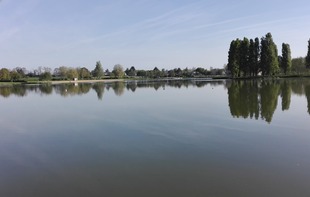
(83,81)
(30,82)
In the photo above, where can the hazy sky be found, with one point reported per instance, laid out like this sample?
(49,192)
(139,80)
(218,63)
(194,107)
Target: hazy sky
(143,33)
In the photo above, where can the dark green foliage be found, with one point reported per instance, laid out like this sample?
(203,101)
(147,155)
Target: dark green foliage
(286,60)
(178,72)
(308,56)
(156,73)
(249,57)
(257,56)
(298,65)
(131,72)
(252,58)
(141,73)
(254,54)
(269,56)
(233,65)
(199,71)
(244,56)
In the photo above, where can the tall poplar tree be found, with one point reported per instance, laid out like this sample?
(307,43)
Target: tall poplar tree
(253,62)
(269,56)
(286,63)
(308,56)
(233,58)
(253,57)
(244,56)
(257,56)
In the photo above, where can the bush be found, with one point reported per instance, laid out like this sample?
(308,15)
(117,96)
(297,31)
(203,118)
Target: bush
(46,76)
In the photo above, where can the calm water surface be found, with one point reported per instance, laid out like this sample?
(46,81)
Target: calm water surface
(177,138)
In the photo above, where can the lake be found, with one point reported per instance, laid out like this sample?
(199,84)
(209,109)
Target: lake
(156,138)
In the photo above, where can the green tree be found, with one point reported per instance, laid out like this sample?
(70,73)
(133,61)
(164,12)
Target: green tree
(233,58)
(269,56)
(156,73)
(257,56)
(21,71)
(171,73)
(298,65)
(84,73)
(15,76)
(45,76)
(118,71)
(200,71)
(61,72)
(286,60)
(141,73)
(308,56)
(5,74)
(131,72)
(244,56)
(98,71)
(252,59)
(72,73)
(253,63)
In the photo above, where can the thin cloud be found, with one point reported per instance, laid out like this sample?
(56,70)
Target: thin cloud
(152,26)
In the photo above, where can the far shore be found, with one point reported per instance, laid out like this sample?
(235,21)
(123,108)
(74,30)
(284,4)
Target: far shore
(83,81)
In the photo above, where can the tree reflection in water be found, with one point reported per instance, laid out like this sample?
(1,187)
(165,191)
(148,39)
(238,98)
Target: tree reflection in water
(246,98)
(259,98)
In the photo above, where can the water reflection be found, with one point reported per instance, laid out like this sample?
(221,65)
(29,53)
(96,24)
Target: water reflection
(259,98)
(119,88)
(246,98)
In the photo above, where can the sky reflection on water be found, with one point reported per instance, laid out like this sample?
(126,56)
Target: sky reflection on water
(181,138)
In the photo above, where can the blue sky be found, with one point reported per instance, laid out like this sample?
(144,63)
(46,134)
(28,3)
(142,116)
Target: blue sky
(143,33)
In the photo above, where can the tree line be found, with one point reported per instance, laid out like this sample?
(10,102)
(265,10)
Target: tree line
(69,73)
(60,73)
(251,57)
